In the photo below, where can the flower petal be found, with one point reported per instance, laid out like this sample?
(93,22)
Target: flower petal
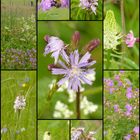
(85,58)
(58,71)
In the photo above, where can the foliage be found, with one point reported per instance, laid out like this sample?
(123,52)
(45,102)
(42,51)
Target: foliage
(22,124)
(123,57)
(77,13)
(59,129)
(121,104)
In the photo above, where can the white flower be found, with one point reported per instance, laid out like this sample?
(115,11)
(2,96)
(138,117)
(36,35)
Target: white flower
(61,110)
(57,47)
(19,103)
(87,106)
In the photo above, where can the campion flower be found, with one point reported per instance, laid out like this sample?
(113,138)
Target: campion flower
(19,103)
(89,5)
(57,47)
(76,70)
(130,39)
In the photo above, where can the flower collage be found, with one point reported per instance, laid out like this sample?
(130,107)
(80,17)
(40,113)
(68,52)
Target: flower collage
(69,70)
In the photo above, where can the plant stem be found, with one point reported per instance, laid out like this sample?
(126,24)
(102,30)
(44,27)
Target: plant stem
(78,103)
(123,28)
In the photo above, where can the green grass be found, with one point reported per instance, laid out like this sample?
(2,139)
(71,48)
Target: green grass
(59,129)
(54,14)
(64,30)
(89,125)
(11,82)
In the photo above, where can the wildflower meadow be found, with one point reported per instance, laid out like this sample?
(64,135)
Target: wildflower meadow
(121,34)
(121,101)
(69,87)
(18,110)
(18,34)
(53,9)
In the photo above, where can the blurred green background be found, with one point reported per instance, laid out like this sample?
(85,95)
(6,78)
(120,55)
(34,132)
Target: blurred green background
(64,30)
(14,83)
(89,125)
(59,129)
(131,13)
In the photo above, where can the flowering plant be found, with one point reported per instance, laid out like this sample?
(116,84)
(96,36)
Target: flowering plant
(121,105)
(73,68)
(86,9)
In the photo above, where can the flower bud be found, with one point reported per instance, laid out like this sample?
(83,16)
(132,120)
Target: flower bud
(138,39)
(46,38)
(92,45)
(76,38)
(50,66)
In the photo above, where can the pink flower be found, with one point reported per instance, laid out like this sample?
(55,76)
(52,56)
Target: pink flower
(130,39)
(136,129)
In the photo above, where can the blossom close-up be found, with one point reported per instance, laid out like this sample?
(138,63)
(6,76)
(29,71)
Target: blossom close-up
(89,5)
(76,71)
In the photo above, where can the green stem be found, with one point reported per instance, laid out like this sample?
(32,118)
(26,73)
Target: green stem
(78,103)
(123,29)
(108,58)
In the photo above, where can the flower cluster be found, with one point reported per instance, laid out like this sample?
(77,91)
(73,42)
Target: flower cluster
(80,134)
(20,103)
(48,4)
(18,58)
(89,5)
(62,110)
(75,67)
(121,103)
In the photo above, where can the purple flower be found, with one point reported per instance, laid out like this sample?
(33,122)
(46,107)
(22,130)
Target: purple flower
(128,137)
(111,90)
(130,39)
(64,3)
(120,83)
(136,129)
(116,108)
(110,83)
(45,5)
(76,71)
(117,77)
(85,4)
(129,109)
(129,93)
(57,47)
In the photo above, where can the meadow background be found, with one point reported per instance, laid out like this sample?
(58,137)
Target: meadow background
(77,13)
(18,34)
(64,30)
(115,122)
(126,58)
(14,83)
(89,125)
(59,129)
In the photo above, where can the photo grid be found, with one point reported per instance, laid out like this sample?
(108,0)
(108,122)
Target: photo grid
(69,70)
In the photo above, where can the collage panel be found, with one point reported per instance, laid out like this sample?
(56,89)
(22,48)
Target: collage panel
(121,34)
(18,34)
(86,10)
(69,77)
(53,9)
(86,130)
(53,129)
(121,105)
(18,105)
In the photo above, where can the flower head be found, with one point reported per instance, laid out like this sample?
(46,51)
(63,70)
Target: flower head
(76,71)
(19,103)
(55,46)
(130,39)
(136,129)
(116,108)
(45,5)
(86,4)
(128,137)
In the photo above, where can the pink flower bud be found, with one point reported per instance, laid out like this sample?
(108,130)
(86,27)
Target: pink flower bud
(46,38)
(76,37)
(92,45)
